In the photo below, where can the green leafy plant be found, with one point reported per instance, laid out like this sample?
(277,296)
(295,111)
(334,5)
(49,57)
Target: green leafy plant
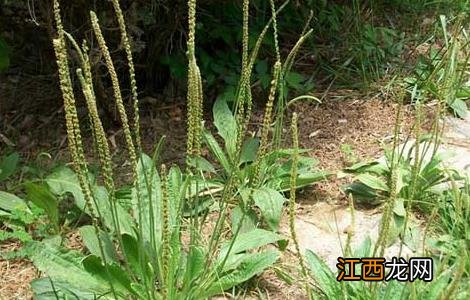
(186,272)
(448,246)
(349,157)
(146,241)
(8,165)
(446,282)
(443,73)
(371,183)
(23,222)
(23,219)
(450,223)
(274,168)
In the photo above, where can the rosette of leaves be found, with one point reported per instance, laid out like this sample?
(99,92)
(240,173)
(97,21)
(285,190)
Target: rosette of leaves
(173,268)
(274,168)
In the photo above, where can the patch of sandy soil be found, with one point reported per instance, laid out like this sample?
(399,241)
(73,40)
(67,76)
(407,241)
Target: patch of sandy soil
(15,275)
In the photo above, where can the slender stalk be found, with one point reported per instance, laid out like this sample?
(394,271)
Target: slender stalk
(130,62)
(292,196)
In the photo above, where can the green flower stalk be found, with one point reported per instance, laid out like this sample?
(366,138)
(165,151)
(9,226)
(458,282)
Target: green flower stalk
(195,92)
(276,40)
(116,89)
(292,196)
(130,62)
(71,117)
(126,129)
(267,120)
(245,39)
(166,232)
(73,129)
(281,103)
(388,211)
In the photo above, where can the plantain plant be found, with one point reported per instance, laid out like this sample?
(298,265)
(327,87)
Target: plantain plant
(145,241)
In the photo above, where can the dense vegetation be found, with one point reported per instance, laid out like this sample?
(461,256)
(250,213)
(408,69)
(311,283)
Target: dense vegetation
(211,225)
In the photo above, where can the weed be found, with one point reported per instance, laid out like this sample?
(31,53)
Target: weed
(141,251)
(349,157)
(442,74)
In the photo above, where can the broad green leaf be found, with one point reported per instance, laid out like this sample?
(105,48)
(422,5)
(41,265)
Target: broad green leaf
(202,186)
(134,256)
(270,202)
(47,289)
(365,249)
(147,199)
(88,234)
(252,265)
(324,277)
(64,181)
(399,208)
(363,192)
(110,273)
(226,125)
(249,221)
(43,198)
(177,190)
(371,167)
(200,163)
(249,150)
(9,163)
(248,241)
(217,151)
(10,202)
(372,182)
(358,167)
(102,201)
(459,107)
(196,263)
(463,92)
(303,179)
(65,267)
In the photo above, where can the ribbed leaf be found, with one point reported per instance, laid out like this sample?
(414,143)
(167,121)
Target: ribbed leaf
(248,241)
(372,181)
(324,277)
(217,151)
(252,265)
(47,289)
(270,203)
(9,163)
(147,208)
(249,150)
(10,202)
(65,267)
(64,181)
(226,125)
(110,273)
(88,235)
(43,198)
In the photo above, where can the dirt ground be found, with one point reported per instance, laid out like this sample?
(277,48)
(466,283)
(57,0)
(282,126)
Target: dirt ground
(363,122)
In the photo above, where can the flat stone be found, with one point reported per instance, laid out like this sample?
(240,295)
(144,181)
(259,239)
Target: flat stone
(457,129)
(326,233)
